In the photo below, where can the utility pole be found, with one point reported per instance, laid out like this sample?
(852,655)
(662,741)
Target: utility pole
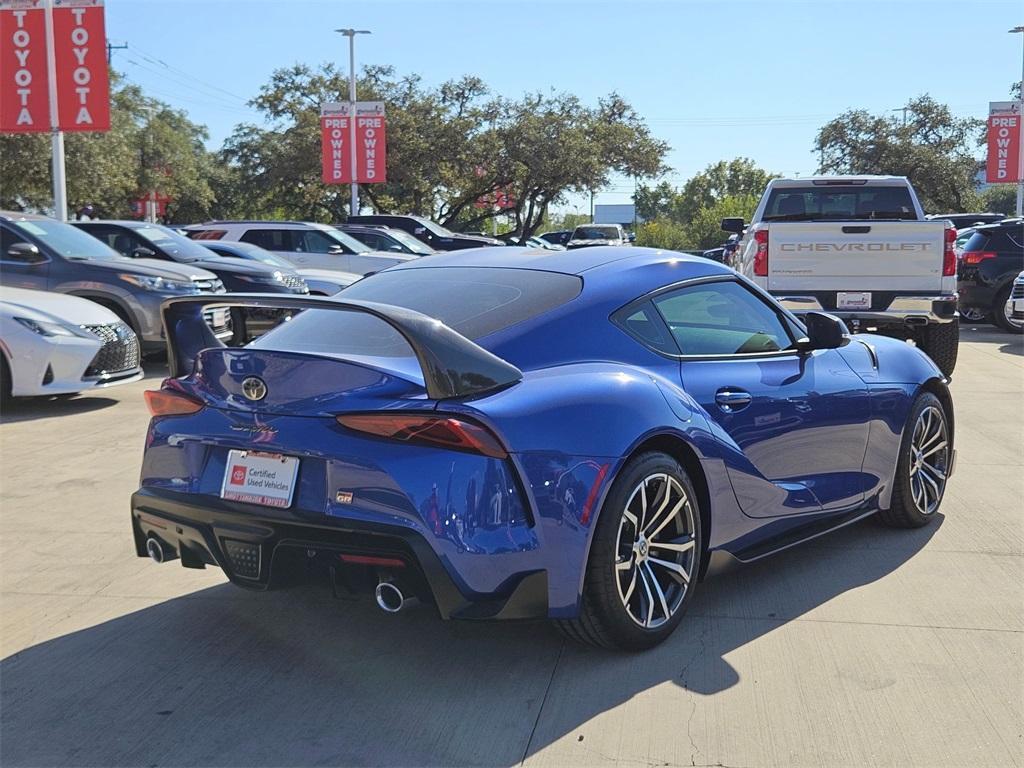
(351,35)
(904,110)
(60,191)
(111,48)
(1020,125)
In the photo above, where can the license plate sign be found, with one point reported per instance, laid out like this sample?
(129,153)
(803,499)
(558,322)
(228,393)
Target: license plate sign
(853,300)
(260,478)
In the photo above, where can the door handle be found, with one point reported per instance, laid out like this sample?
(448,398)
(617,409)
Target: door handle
(732,400)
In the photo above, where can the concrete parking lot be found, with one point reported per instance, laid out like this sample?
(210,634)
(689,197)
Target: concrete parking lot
(869,647)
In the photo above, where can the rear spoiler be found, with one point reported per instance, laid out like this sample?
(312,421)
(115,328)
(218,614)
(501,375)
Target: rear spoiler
(453,366)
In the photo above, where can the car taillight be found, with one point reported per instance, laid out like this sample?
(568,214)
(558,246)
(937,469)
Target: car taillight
(949,254)
(162,402)
(976,257)
(442,431)
(761,255)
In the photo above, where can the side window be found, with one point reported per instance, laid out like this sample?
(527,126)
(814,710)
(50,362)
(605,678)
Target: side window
(271,239)
(314,241)
(373,242)
(645,325)
(116,238)
(206,234)
(722,318)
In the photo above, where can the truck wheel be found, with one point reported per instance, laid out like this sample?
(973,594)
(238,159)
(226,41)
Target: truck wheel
(941,342)
(1001,316)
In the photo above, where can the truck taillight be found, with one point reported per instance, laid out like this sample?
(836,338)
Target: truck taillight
(949,254)
(761,255)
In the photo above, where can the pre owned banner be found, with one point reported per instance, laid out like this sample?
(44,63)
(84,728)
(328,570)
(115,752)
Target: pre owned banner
(1004,139)
(80,42)
(370,143)
(24,92)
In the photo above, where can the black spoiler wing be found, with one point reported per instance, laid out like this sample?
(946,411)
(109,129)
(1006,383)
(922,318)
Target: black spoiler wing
(453,366)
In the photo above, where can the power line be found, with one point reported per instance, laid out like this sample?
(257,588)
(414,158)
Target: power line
(156,61)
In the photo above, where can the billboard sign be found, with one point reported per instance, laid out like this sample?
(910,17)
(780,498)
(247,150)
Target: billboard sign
(1004,139)
(24,90)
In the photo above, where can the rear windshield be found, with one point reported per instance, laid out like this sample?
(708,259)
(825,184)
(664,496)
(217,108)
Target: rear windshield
(596,233)
(475,301)
(839,202)
(996,239)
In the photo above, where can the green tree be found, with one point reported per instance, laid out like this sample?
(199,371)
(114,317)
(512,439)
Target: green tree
(726,178)
(448,148)
(999,198)
(934,149)
(149,146)
(663,233)
(705,228)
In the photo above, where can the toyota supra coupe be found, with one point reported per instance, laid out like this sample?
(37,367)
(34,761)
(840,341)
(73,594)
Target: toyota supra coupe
(513,433)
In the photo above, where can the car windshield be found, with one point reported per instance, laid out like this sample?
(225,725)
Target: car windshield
(176,246)
(474,301)
(410,242)
(432,227)
(596,233)
(844,203)
(251,252)
(350,243)
(68,241)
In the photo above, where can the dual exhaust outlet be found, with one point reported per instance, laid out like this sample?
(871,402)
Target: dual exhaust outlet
(389,595)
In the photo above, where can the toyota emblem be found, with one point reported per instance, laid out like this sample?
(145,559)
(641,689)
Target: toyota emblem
(254,388)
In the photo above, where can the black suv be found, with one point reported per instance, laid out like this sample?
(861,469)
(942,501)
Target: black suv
(434,235)
(991,259)
(142,240)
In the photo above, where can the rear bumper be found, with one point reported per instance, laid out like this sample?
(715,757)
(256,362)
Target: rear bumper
(903,310)
(213,533)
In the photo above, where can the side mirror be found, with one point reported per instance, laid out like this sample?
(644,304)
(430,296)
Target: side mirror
(395,248)
(334,250)
(25,252)
(733,224)
(631,237)
(824,331)
(142,252)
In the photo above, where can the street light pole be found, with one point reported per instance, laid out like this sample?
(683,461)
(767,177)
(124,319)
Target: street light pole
(351,35)
(60,190)
(1020,122)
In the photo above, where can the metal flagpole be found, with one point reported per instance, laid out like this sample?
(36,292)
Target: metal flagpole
(60,195)
(351,35)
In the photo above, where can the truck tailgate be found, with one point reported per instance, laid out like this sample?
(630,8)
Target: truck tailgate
(856,256)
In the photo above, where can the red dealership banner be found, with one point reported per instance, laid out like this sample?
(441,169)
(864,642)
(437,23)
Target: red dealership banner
(370,143)
(24,92)
(1004,139)
(336,151)
(80,47)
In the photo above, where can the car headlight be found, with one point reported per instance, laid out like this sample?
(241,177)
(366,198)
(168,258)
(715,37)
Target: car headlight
(275,279)
(44,328)
(160,284)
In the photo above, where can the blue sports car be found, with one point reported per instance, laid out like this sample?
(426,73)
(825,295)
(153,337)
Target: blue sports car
(514,433)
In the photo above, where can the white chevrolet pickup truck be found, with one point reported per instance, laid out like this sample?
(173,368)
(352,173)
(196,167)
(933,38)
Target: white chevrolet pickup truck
(858,247)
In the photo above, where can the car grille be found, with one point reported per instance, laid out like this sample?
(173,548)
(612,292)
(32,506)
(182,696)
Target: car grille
(218,318)
(119,353)
(209,286)
(295,282)
(1018,290)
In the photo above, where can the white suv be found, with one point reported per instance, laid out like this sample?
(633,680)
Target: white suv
(303,243)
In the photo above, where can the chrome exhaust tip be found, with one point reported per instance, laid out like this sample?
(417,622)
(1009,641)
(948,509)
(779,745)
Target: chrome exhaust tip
(155,550)
(390,597)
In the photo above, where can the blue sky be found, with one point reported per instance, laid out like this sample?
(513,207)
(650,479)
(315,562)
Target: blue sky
(715,80)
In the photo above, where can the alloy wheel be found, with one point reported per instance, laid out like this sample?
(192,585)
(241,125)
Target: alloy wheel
(929,459)
(655,550)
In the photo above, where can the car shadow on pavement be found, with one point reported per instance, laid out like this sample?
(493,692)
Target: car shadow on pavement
(228,677)
(33,408)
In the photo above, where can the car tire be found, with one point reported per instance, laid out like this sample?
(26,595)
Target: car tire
(640,575)
(999,312)
(923,465)
(941,342)
(5,381)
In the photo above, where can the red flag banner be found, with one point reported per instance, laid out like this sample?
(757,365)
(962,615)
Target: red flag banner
(371,150)
(24,92)
(336,152)
(80,44)
(1004,137)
